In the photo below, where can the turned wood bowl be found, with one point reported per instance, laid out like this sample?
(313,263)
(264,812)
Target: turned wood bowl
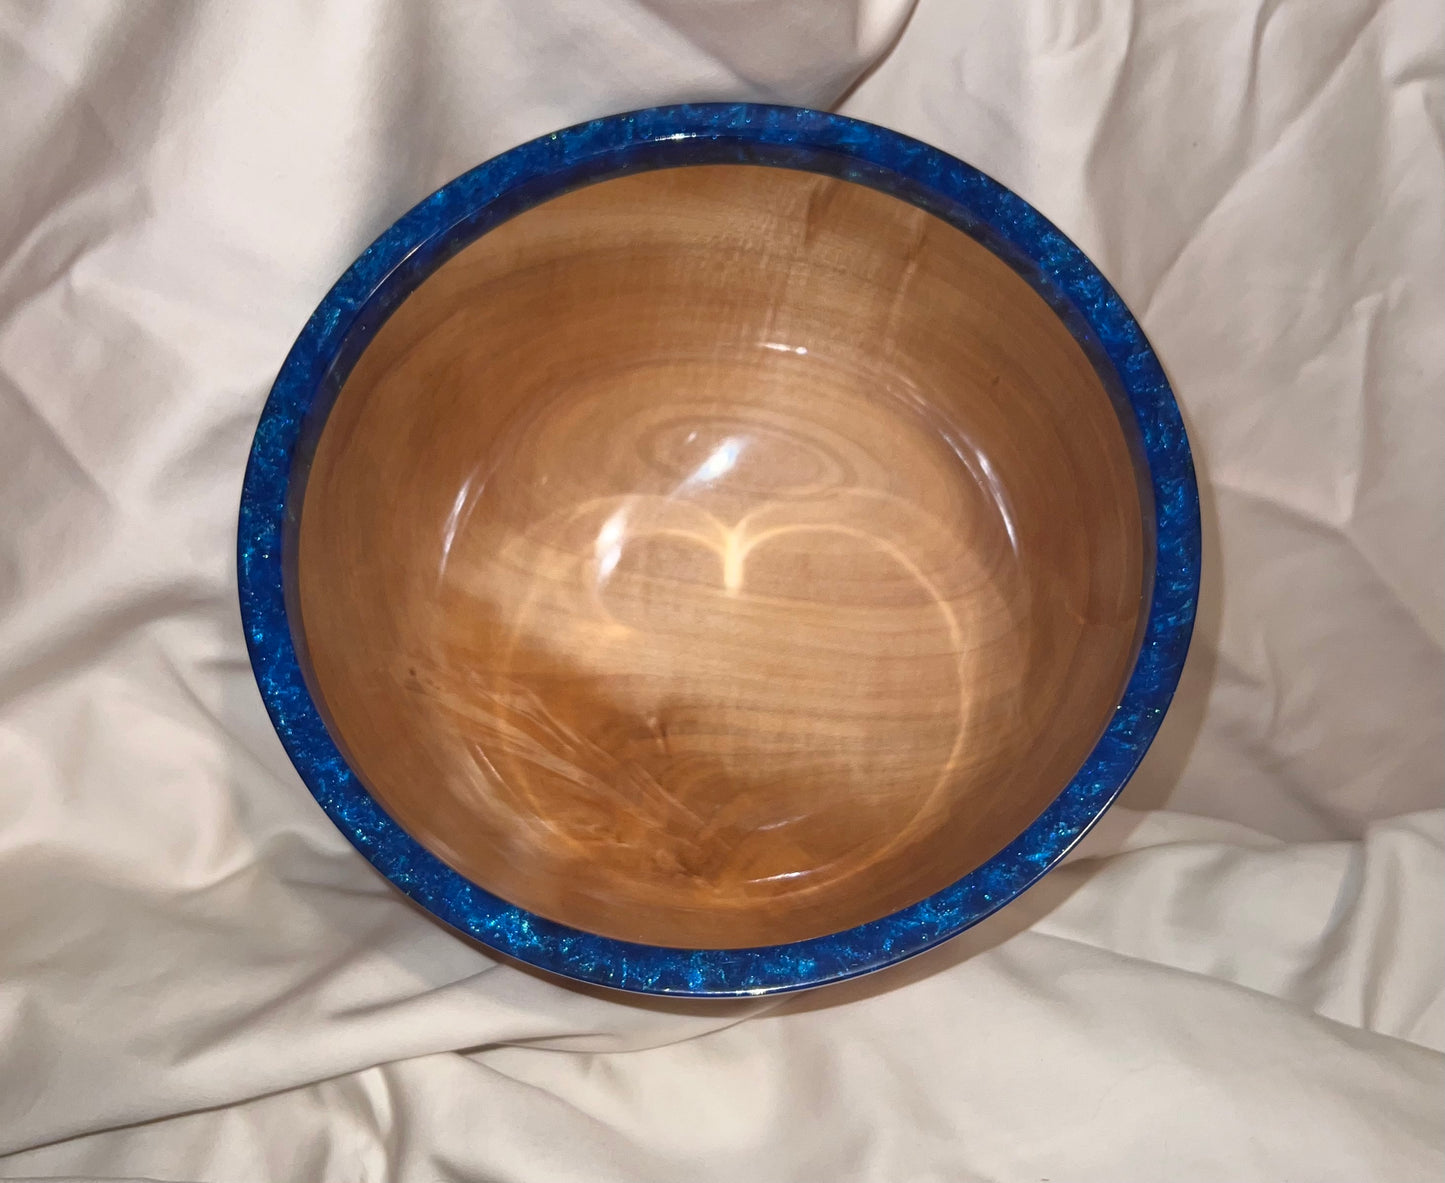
(711,547)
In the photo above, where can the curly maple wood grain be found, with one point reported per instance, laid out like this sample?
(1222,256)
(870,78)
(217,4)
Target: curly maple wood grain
(720,556)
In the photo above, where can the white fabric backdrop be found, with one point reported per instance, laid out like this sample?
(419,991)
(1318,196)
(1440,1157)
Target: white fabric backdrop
(1239,978)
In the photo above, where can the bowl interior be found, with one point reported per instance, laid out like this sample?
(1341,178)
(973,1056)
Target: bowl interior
(720,556)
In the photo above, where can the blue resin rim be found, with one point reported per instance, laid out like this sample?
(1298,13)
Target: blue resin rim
(668,137)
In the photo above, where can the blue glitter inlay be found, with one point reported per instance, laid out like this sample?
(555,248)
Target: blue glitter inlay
(667,137)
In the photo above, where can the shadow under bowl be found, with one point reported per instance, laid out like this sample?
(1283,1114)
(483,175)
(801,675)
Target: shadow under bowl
(708,565)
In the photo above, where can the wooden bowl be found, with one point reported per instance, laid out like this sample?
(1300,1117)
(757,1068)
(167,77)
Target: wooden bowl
(702,554)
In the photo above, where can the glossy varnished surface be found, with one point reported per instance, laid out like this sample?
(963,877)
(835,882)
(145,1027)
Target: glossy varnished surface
(720,556)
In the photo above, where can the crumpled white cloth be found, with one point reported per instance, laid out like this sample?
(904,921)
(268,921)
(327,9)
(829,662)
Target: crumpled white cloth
(1239,977)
